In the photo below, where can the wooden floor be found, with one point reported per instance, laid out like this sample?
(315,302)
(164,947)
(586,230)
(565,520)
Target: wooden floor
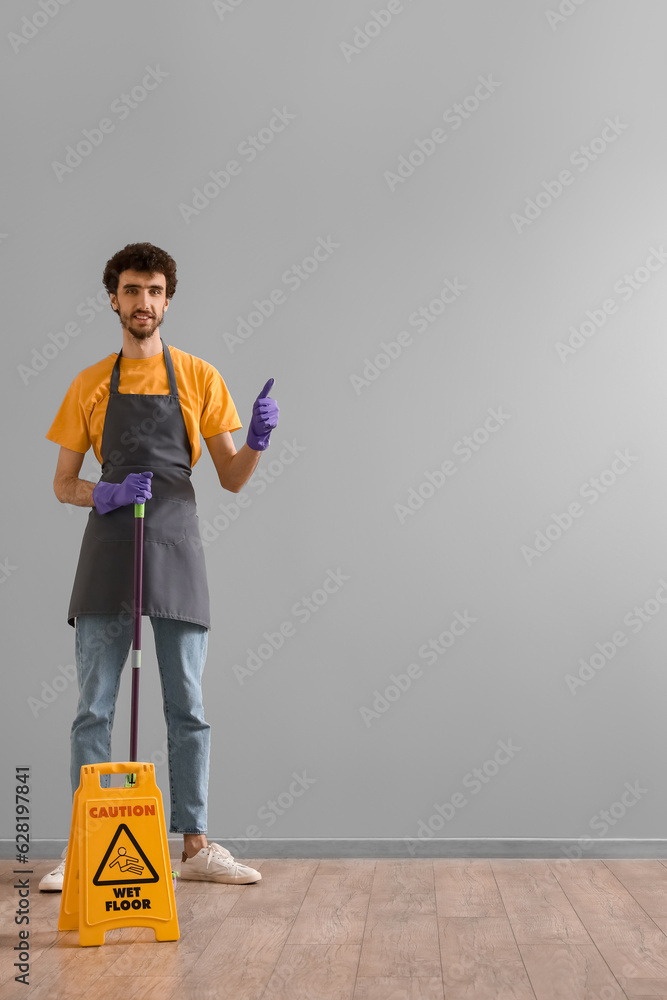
(421,929)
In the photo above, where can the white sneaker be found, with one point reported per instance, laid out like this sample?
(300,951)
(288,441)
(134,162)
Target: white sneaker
(53,882)
(215,864)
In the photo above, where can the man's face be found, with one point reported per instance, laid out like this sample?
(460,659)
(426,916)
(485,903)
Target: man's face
(140,302)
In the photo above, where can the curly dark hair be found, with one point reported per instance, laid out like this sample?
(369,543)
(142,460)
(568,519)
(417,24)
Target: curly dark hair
(142,257)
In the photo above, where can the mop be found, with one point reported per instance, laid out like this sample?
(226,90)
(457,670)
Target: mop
(138,576)
(130,779)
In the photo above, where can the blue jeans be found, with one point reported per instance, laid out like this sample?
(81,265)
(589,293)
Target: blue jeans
(102,646)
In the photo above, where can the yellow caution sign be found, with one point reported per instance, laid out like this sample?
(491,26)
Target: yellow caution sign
(117,871)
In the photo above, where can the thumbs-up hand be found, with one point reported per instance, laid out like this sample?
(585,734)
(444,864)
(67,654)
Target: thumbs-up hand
(264,419)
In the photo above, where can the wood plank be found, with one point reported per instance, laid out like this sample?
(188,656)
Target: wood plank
(399,988)
(481,960)
(245,950)
(158,988)
(631,943)
(201,908)
(401,936)
(240,959)
(537,907)
(397,884)
(304,972)
(466,888)
(119,988)
(565,971)
(398,945)
(255,930)
(595,882)
(625,943)
(336,903)
(280,893)
(646,881)
(644,989)
(56,987)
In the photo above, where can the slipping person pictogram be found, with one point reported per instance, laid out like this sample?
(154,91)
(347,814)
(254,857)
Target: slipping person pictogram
(126,864)
(142,410)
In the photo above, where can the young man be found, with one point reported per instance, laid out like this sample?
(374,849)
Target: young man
(142,411)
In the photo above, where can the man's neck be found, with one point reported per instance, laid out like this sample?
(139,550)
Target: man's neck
(133,348)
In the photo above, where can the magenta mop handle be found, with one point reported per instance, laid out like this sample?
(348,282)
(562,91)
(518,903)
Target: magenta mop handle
(136,640)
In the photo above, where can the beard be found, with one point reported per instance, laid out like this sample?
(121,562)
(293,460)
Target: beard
(140,331)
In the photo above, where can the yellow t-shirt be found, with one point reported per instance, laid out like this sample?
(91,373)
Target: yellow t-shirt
(205,401)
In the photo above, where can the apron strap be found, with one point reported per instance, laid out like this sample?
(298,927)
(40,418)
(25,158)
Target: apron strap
(166,353)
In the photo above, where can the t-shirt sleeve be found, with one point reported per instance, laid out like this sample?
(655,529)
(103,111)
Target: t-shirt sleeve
(218,413)
(70,428)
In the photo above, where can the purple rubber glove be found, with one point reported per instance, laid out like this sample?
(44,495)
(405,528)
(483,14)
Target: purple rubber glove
(135,488)
(264,419)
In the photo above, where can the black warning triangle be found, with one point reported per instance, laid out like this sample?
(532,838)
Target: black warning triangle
(98,880)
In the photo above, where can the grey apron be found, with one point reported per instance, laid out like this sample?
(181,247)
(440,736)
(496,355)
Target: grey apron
(145,433)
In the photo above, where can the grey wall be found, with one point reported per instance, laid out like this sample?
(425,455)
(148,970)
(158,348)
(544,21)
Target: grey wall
(556,326)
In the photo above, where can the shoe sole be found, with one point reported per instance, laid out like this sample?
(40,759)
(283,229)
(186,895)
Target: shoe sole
(196,877)
(50,888)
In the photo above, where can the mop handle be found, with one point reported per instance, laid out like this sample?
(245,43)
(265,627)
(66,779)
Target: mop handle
(136,641)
